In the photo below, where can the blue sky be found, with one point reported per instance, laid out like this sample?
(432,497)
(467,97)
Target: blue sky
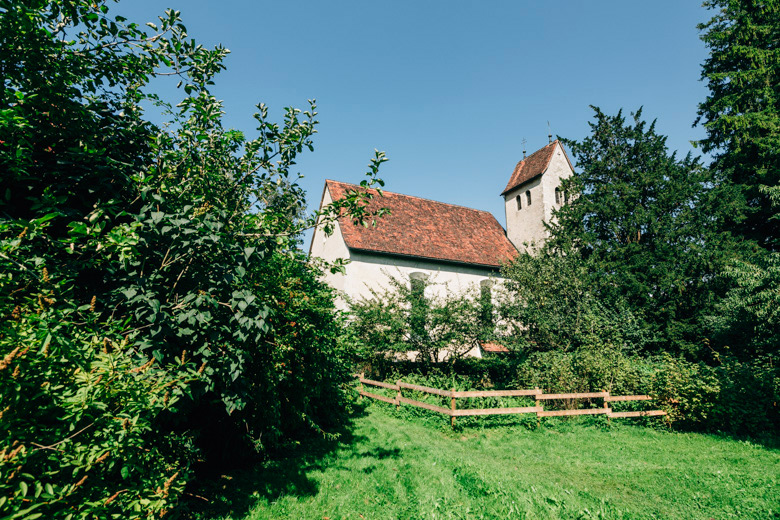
(449,89)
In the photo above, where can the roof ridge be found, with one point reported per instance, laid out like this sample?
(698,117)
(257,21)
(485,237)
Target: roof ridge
(419,198)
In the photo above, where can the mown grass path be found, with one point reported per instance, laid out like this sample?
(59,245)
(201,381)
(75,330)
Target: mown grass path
(396,469)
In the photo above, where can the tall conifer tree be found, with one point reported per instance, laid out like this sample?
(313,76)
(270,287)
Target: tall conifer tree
(638,220)
(742,114)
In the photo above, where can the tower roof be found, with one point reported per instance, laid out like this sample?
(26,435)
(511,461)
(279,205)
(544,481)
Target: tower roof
(427,229)
(533,166)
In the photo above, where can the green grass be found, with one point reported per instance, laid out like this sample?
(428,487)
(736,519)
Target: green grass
(391,468)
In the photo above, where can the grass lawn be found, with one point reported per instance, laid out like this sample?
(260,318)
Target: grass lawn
(393,468)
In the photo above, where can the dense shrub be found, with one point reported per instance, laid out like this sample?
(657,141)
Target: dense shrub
(733,397)
(490,372)
(155,307)
(584,371)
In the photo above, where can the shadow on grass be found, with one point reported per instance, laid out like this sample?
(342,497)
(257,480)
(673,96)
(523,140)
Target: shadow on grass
(233,494)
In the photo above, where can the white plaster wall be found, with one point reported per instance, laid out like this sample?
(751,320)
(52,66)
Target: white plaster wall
(527,224)
(330,248)
(558,170)
(368,271)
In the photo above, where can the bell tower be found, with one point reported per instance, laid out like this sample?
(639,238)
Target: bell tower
(533,192)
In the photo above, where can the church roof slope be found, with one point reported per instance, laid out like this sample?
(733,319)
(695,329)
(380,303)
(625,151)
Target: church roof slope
(427,229)
(532,166)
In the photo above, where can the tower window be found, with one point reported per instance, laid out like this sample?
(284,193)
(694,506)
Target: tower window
(528,197)
(557,195)
(519,201)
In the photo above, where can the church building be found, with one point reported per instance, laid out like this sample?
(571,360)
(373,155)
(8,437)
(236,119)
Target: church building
(450,247)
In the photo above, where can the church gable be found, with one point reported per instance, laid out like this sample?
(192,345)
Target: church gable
(533,166)
(427,229)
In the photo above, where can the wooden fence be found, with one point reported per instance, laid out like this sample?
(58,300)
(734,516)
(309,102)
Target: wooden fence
(536,393)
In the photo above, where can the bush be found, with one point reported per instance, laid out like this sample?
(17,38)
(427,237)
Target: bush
(734,397)
(81,411)
(155,305)
(586,370)
(551,304)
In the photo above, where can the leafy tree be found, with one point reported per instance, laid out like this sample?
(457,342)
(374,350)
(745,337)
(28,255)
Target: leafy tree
(742,114)
(151,290)
(639,219)
(551,303)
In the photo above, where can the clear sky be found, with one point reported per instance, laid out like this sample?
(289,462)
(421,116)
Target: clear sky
(449,89)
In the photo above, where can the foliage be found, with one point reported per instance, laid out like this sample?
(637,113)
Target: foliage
(639,217)
(551,303)
(742,114)
(433,321)
(81,411)
(150,286)
(746,322)
(487,372)
(586,370)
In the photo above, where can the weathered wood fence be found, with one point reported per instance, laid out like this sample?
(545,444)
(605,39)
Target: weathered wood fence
(536,393)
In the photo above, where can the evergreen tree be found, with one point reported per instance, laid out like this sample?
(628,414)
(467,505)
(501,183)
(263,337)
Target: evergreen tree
(638,218)
(742,114)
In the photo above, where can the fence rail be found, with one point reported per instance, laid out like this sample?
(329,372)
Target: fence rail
(536,393)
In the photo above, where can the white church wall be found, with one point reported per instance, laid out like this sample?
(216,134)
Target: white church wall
(526,225)
(557,170)
(330,248)
(368,271)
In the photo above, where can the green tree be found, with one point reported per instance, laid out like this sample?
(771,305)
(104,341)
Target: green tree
(552,304)
(742,117)
(639,218)
(746,321)
(742,114)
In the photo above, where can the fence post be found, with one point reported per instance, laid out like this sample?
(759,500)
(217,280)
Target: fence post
(360,386)
(452,407)
(536,398)
(398,395)
(606,406)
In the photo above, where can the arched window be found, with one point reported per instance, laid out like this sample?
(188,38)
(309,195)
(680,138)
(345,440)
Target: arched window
(519,201)
(557,195)
(419,306)
(528,197)
(418,283)
(486,306)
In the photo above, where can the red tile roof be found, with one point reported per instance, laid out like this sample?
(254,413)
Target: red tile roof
(532,166)
(493,347)
(427,229)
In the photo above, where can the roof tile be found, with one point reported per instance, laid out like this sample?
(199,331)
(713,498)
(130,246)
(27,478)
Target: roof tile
(530,167)
(493,347)
(427,229)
